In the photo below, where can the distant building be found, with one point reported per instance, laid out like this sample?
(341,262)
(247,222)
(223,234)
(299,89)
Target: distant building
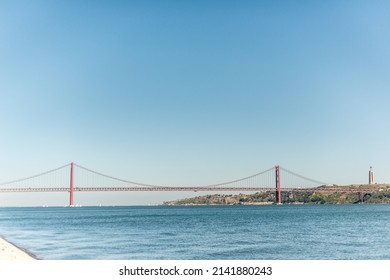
(371,180)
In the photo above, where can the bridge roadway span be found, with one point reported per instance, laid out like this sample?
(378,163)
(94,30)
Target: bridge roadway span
(189,189)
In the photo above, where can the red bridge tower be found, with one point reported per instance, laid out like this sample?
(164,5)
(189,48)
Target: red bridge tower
(278,192)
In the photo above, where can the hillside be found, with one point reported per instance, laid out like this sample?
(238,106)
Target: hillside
(373,194)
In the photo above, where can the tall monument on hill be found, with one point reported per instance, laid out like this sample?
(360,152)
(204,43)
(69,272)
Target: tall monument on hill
(371,180)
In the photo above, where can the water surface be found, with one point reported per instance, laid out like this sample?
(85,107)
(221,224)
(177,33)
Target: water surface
(202,232)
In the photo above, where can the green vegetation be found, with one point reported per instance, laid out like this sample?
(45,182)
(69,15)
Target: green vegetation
(324,195)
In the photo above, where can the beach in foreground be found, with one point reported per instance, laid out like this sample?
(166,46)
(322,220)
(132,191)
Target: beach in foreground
(11,252)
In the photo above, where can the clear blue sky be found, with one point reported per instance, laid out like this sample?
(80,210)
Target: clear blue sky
(193,92)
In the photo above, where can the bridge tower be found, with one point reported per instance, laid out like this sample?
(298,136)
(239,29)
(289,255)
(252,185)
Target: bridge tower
(278,192)
(71,188)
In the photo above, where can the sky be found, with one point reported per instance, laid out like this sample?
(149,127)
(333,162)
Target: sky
(193,92)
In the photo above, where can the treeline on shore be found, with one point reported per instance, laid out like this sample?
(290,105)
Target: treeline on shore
(304,197)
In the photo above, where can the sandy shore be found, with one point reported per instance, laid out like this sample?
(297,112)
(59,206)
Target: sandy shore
(9,251)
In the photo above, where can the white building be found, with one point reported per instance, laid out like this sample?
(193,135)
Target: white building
(371,180)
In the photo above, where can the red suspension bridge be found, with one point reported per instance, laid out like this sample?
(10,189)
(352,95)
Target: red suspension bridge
(76,178)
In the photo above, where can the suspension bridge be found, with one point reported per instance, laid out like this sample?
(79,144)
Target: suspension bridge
(73,178)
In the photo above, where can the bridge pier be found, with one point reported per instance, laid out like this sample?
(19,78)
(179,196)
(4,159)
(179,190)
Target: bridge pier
(71,188)
(278,194)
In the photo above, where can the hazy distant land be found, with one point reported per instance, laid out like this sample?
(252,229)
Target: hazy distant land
(379,193)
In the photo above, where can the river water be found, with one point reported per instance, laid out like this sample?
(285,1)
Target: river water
(274,232)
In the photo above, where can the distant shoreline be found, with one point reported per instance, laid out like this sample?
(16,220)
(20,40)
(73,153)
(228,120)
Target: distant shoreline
(353,194)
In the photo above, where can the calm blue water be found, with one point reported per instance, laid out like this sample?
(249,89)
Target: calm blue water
(204,232)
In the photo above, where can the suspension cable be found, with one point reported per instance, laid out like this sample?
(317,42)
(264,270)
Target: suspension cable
(34,176)
(115,178)
(159,186)
(303,177)
(239,180)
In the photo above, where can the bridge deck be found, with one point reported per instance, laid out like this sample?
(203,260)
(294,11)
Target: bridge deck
(189,189)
